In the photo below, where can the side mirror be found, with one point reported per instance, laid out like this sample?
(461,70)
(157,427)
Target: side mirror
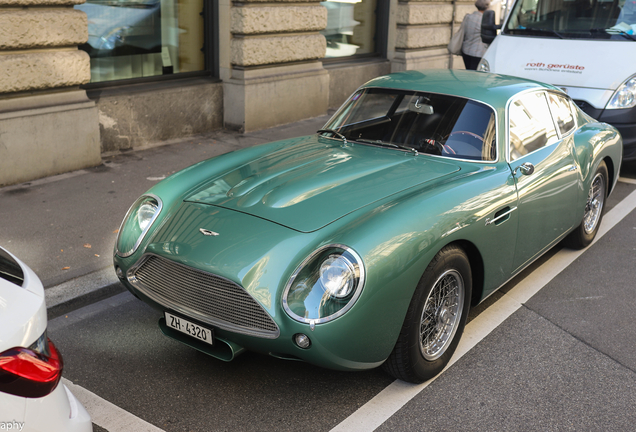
(488,27)
(526,169)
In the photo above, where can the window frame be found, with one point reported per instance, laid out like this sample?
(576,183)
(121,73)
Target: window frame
(210,50)
(569,103)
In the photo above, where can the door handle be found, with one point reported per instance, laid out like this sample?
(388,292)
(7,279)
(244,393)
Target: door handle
(499,216)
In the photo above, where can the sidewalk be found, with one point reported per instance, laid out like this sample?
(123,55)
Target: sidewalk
(64,227)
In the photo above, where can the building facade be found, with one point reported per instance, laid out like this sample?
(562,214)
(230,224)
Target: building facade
(80,79)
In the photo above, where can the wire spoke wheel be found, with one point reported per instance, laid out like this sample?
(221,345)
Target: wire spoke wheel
(441,314)
(435,319)
(594,206)
(584,233)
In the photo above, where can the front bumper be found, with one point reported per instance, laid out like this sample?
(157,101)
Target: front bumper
(58,411)
(326,350)
(622,119)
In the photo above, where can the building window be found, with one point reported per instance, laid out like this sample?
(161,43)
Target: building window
(143,38)
(351,27)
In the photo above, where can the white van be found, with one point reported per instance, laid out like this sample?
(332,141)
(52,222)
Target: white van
(585,47)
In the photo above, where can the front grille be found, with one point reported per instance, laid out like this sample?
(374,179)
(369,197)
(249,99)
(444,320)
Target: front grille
(203,296)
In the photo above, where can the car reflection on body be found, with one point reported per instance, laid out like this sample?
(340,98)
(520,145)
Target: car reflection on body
(31,396)
(367,243)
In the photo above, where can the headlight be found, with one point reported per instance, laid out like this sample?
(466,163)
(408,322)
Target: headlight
(483,66)
(325,285)
(337,276)
(136,224)
(625,95)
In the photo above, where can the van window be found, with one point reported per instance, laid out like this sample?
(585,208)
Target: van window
(562,113)
(530,125)
(588,19)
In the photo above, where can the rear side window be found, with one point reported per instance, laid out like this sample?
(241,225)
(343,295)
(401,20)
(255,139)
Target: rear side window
(530,125)
(9,269)
(562,113)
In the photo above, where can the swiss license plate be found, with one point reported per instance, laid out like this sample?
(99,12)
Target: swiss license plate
(189,328)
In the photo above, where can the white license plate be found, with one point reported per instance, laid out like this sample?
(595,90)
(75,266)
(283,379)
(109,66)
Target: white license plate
(191,329)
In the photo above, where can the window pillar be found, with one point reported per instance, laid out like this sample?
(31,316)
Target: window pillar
(423,32)
(272,71)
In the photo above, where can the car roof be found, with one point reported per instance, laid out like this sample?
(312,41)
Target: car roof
(493,89)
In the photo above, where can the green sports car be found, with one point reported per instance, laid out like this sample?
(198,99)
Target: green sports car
(366,243)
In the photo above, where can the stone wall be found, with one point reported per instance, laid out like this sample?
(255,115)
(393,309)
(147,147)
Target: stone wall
(47,124)
(271,33)
(38,45)
(132,117)
(423,31)
(272,68)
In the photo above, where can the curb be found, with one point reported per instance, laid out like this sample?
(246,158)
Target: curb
(81,291)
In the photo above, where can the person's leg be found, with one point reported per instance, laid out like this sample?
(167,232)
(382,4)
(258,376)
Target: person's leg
(470,62)
(466,59)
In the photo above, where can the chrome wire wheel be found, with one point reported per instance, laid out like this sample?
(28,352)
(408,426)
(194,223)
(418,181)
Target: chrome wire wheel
(441,314)
(435,318)
(594,205)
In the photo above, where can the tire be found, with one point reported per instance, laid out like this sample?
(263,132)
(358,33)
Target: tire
(583,235)
(432,329)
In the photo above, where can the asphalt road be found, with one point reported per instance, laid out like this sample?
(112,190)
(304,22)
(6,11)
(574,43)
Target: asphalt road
(564,360)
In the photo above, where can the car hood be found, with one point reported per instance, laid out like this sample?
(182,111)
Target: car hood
(310,184)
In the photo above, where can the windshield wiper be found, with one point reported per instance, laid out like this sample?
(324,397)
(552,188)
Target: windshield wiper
(613,31)
(336,133)
(536,31)
(387,144)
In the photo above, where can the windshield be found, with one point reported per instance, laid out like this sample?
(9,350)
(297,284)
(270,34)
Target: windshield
(590,19)
(429,123)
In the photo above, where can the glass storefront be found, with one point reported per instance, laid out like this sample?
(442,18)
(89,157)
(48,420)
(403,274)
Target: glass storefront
(143,38)
(351,27)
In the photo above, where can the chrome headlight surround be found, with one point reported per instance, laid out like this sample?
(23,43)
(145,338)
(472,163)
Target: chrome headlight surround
(624,96)
(325,285)
(136,224)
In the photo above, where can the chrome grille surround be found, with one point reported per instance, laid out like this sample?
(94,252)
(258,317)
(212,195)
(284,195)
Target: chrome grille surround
(201,295)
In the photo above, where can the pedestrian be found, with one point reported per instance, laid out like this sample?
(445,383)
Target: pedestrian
(473,49)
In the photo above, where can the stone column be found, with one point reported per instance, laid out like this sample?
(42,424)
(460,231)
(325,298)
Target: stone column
(272,71)
(423,32)
(47,124)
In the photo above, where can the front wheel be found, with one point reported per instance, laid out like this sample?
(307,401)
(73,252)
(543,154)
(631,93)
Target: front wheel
(583,235)
(435,318)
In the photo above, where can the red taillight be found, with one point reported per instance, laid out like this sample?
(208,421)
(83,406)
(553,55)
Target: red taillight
(24,372)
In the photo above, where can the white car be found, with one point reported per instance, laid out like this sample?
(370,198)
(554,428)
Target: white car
(31,395)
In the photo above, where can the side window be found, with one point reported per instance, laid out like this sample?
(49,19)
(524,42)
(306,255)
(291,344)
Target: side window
(531,125)
(562,113)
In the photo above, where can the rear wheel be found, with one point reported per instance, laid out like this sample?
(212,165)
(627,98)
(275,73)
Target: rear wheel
(583,235)
(435,318)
